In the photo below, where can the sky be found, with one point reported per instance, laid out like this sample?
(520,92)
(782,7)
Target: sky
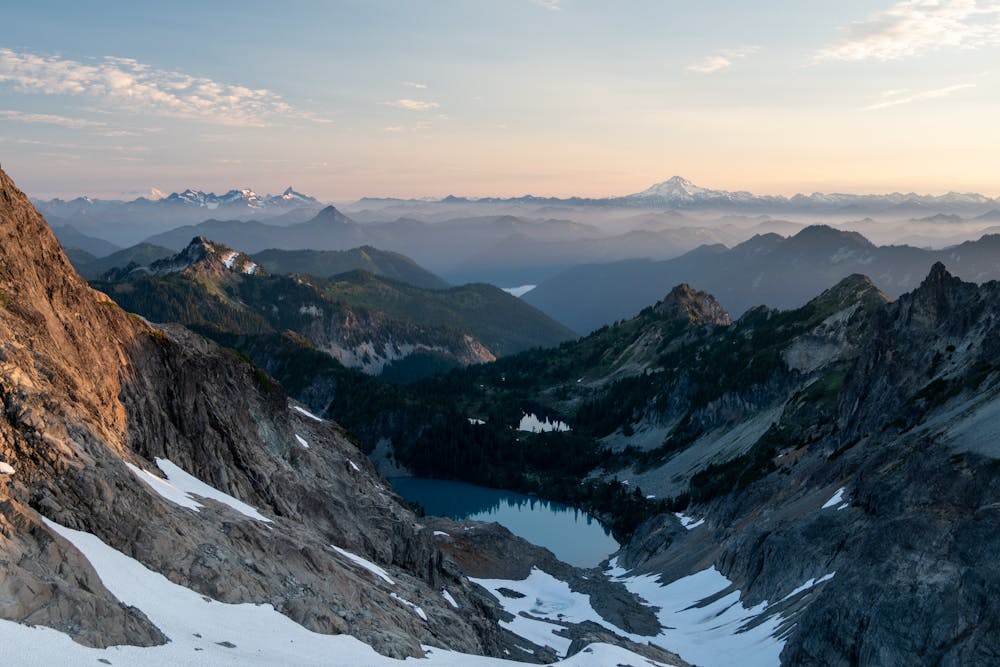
(352,98)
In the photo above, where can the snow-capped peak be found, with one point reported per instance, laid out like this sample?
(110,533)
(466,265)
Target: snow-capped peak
(290,193)
(679,188)
(238,197)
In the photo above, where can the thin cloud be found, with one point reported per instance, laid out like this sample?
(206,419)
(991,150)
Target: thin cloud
(392,128)
(893,98)
(121,133)
(553,5)
(722,60)
(414,84)
(127,84)
(48,119)
(913,27)
(412,105)
(710,64)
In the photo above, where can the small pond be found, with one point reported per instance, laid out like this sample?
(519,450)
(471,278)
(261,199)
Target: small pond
(571,534)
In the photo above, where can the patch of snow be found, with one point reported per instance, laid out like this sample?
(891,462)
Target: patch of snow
(689,522)
(406,603)
(835,499)
(476,422)
(447,596)
(615,571)
(250,268)
(196,625)
(6,468)
(306,413)
(809,584)
(545,599)
(519,291)
(302,441)
(191,485)
(354,465)
(311,309)
(229,259)
(441,533)
(533,424)
(165,489)
(365,563)
(722,633)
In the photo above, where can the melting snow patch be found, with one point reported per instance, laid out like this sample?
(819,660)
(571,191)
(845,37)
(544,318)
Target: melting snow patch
(809,584)
(416,608)
(689,522)
(310,310)
(306,413)
(545,598)
(6,469)
(533,424)
(441,533)
(723,633)
(164,488)
(365,563)
(354,465)
(447,596)
(836,499)
(614,571)
(302,441)
(188,484)
(519,291)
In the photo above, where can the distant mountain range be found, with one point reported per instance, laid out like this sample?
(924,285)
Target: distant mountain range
(674,193)
(515,241)
(127,222)
(768,269)
(679,193)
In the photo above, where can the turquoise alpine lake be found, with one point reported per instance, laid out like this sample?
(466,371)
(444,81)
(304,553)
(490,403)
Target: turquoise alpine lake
(573,535)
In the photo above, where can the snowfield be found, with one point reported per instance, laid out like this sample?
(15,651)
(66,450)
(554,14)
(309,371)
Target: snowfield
(198,627)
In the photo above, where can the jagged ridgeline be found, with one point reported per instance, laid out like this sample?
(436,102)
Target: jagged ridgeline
(365,321)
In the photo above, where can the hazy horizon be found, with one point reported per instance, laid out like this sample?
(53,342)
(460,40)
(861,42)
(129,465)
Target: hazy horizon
(548,97)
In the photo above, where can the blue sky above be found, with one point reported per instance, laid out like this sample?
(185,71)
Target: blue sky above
(554,97)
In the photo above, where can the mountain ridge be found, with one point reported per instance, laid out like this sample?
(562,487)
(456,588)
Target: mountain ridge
(767,269)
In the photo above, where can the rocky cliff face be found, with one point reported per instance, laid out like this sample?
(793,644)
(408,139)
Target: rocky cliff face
(696,307)
(883,490)
(92,397)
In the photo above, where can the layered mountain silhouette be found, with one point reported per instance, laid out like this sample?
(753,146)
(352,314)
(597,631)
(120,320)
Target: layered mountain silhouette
(766,270)
(363,320)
